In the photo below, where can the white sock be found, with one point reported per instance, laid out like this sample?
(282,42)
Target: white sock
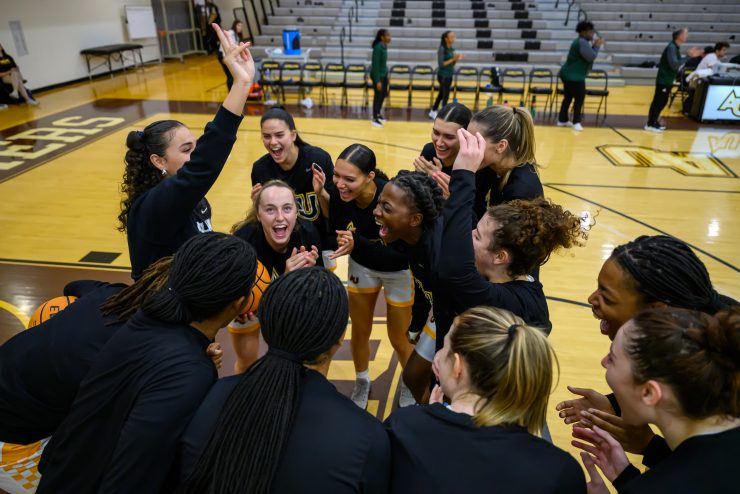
(14,94)
(364,375)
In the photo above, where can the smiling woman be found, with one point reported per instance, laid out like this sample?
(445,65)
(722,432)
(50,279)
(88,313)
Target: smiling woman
(283,243)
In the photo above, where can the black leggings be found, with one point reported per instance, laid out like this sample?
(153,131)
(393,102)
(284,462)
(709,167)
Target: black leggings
(573,90)
(660,99)
(445,83)
(379,95)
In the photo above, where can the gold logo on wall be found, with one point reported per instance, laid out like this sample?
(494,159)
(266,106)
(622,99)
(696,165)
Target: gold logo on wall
(685,163)
(732,103)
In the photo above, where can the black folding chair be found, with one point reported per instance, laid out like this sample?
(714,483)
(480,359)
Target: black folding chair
(541,83)
(270,78)
(513,81)
(597,85)
(334,79)
(290,78)
(488,84)
(399,79)
(467,80)
(356,77)
(422,79)
(311,77)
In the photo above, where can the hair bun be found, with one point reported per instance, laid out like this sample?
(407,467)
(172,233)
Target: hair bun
(135,141)
(723,339)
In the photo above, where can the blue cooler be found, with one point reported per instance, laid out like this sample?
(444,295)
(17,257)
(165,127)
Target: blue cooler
(291,42)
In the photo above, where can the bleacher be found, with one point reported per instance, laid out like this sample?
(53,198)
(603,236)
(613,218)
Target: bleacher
(506,34)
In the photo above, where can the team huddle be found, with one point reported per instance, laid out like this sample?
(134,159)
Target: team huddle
(119,391)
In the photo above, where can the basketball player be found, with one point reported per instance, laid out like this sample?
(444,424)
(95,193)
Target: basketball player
(497,374)
(283,243)
(372,265)
(168,174)
(282,426)
(290,159)
(124,426)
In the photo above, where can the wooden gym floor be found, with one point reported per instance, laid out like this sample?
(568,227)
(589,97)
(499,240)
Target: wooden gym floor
(61,164)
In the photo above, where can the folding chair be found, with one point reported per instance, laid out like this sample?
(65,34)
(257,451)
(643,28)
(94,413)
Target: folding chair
(467,80)
(334,78)
(597,85)
(513,81)
(356,77)
(541,83)
(422,79)
(399,79)
(290,78)
(487,84)
(680,85)
(311,77)
(270,78)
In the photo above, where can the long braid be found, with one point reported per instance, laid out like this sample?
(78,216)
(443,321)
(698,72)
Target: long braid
(665,269)
(303,314)
(126,302)
(424,193)
(207,272)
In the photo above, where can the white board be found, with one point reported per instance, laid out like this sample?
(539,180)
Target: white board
(140,22)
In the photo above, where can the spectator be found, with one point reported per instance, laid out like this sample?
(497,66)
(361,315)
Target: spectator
(11,74)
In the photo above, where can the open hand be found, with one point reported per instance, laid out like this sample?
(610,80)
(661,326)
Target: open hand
(237,58)
(633,438)
(301,258)
(345,242)
(443,180)
(422,165)
(570,410)
(605,451)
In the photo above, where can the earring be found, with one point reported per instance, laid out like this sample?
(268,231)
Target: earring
(164,172)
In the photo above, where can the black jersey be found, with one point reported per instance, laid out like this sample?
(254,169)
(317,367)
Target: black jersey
(168,214)
(463,283)
(429,153)
(703,463)
(300,177)
(124,427)
(523,183)
(41,368)
(304,235)
(369,249)
(437,450)
(333,446)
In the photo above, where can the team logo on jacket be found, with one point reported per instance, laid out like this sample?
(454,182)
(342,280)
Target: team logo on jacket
(694,164)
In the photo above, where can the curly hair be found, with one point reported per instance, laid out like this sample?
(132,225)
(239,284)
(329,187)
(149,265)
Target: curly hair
(140,174)
(531,230)
(422,193)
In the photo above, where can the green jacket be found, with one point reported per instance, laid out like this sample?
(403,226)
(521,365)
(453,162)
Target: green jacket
(444,54)
(577,66)
(670,62)
(379,66)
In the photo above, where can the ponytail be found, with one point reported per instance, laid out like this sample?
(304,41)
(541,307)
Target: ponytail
(696,354)
(304,314)
(379,36)
(531,230)
(208,272)
(514,124)
(510,365)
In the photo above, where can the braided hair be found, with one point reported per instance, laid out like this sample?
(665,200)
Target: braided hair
(665,269)
(126,302)
(140,174)
(208,272)
(422,194)
(303,315)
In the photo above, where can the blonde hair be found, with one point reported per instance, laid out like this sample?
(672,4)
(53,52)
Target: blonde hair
(513,124)
(510,366)
(257,200)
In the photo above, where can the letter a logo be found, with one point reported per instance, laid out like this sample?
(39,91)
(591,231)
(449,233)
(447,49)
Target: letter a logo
(732,103)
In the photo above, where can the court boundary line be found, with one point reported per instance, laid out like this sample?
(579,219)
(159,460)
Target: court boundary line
(61,264)
(640,222)
(624,136)
(641,187)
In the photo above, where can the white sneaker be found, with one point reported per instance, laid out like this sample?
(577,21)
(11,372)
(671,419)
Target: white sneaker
(564,124)
(3,106)
(405,398)
(382,119)
(361,393)
(377,123)
(15,95)
(432,114)
(578,127)
(33,102)
(650,128)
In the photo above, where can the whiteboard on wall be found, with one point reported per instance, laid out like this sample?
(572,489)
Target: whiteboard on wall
(140,22)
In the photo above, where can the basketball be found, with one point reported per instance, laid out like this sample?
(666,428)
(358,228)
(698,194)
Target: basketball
(262,280)
(49,309)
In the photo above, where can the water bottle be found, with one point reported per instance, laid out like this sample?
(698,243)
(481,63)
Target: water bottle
(489,102)
(533,109)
